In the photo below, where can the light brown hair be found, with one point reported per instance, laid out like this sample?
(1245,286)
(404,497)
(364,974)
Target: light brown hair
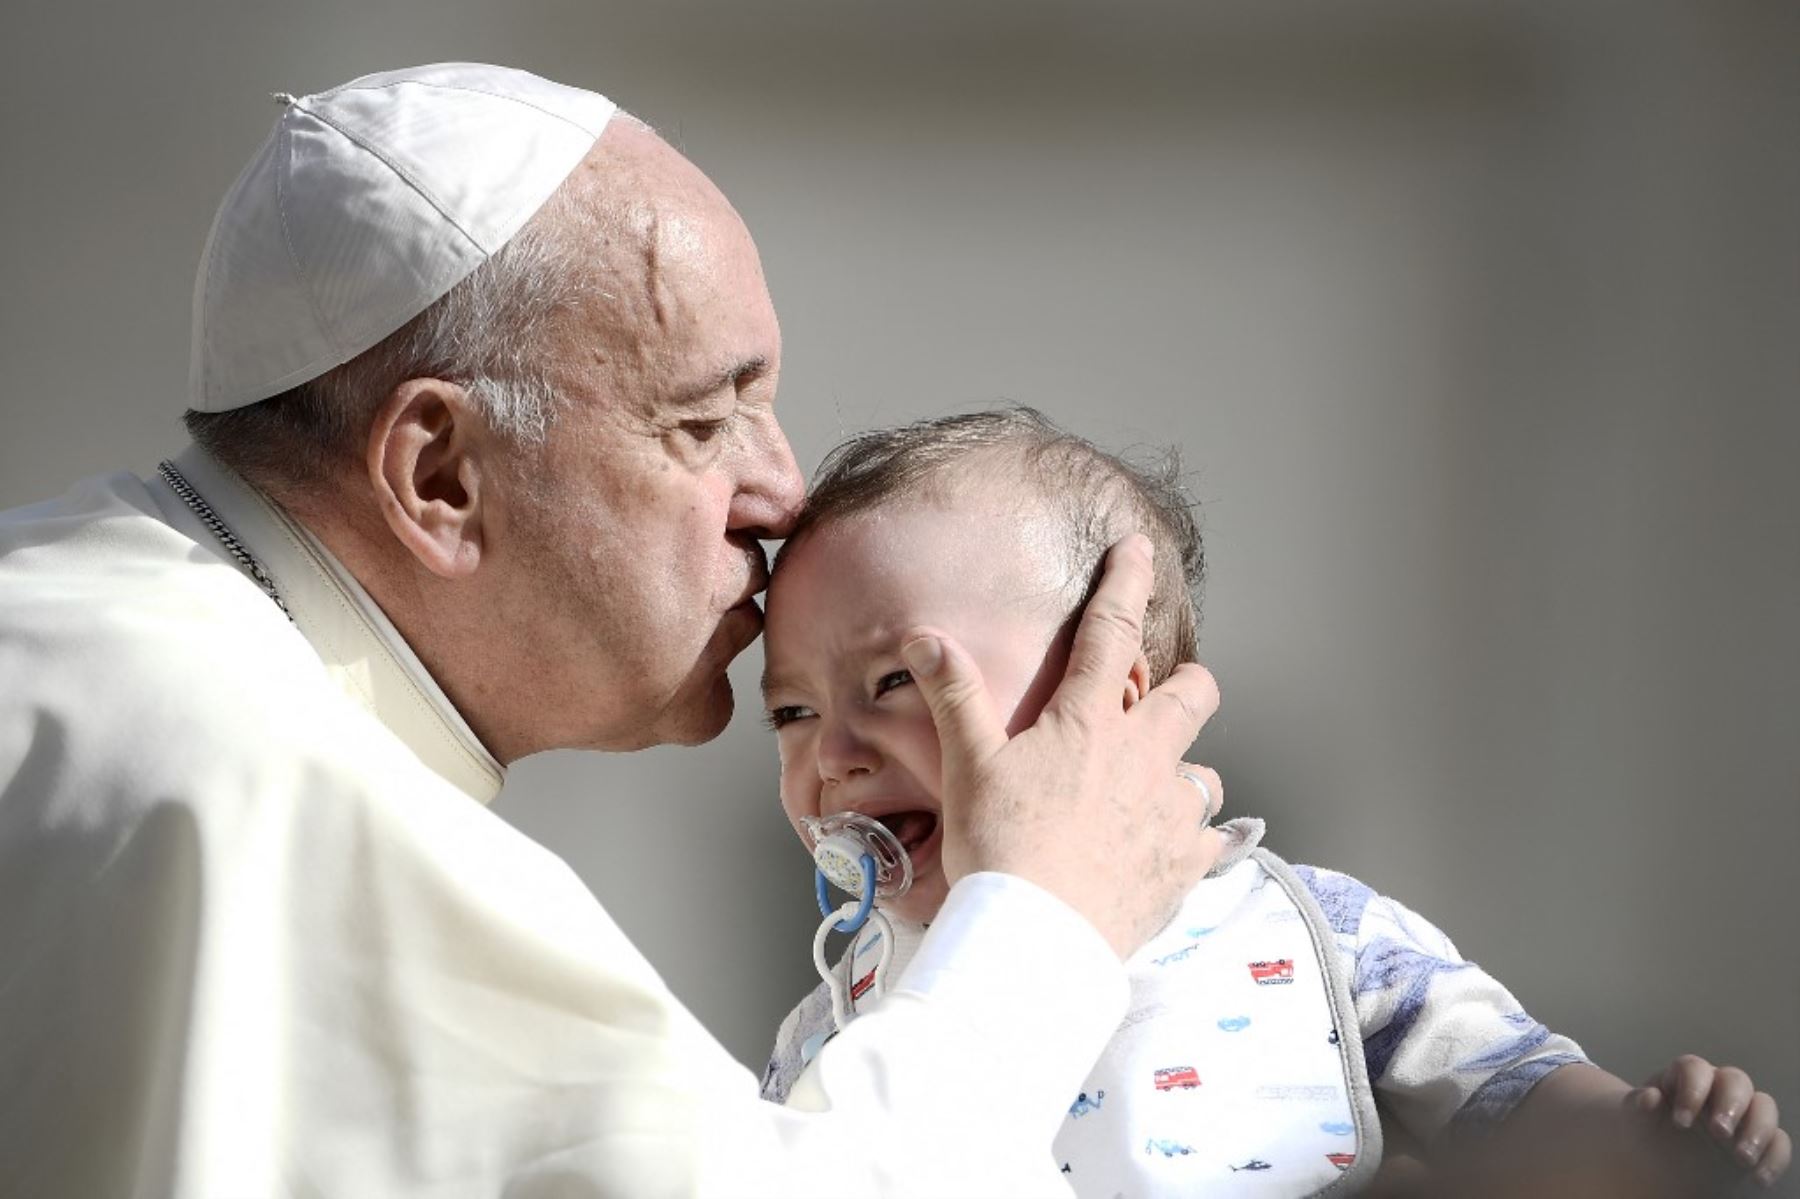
(1099,496)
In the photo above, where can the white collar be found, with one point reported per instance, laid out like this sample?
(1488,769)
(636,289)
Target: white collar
(362,651)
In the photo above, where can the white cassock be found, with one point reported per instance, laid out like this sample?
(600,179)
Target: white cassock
(261,936)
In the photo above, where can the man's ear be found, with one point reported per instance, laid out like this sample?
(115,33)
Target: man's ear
(425,465)
(1137,683)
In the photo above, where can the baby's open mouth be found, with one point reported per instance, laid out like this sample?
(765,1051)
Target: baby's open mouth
(912,828)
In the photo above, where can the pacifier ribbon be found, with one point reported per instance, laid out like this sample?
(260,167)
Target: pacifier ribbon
(863,858)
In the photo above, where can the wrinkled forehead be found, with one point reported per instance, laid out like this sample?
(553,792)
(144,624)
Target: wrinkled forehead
(659,235)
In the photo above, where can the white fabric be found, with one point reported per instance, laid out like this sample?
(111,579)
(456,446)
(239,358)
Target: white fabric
(1241,1070)
(360,650)
(366,203)
(1226,1076)
(251,943)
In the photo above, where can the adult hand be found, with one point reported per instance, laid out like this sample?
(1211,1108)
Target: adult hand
(1086,802)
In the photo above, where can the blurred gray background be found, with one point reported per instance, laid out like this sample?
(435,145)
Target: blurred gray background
(1478,325)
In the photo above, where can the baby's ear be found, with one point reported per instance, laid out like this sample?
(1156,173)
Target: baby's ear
(1137,683)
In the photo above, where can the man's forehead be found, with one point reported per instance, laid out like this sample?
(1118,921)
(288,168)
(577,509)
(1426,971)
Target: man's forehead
(664,240)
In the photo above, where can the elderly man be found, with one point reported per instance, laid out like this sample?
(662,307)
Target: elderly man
(483,382)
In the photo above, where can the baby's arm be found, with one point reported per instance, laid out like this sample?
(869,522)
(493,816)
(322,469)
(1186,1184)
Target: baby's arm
(1487,1095)
(1693,1129)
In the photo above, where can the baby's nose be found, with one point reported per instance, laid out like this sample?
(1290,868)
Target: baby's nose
(843,755)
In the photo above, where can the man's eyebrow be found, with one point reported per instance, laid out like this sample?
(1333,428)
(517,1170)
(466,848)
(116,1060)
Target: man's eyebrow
(730,377)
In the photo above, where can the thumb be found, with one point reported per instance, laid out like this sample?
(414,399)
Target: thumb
(969,732)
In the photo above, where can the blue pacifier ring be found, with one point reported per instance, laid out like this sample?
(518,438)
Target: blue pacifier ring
(861,916)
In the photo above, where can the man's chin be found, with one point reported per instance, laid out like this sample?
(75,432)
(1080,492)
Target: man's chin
(701,707)
(697,719)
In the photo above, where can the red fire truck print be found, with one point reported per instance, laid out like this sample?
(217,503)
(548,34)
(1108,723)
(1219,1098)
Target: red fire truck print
(1170,1077)
(1340,1160)
(1273,974)
(861,986)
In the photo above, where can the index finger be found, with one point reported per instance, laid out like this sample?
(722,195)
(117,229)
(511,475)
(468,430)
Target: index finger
(1687,1082)
(1111,633)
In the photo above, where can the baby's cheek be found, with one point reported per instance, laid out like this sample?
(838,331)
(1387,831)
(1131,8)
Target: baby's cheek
(795,796)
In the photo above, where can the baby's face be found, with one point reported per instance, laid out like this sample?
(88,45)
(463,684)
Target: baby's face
(855,733)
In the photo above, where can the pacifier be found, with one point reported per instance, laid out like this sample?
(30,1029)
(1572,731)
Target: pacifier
(861,857)
(840,842)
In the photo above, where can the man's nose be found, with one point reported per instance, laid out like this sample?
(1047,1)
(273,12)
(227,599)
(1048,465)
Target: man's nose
(771,495)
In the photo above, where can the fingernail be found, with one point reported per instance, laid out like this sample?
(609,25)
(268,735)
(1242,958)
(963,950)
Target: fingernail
(1722,1124)
(1749,1151)
(1684,1118)
(1765,1178)
(923,655)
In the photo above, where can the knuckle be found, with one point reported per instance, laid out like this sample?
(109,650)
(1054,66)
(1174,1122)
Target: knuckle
(1116,619)
(1185,706)
(1196,685)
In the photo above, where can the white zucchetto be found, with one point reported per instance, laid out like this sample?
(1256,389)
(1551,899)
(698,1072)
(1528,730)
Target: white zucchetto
(367,203)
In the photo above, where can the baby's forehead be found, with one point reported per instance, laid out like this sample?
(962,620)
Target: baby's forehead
(972,539)
(913,522)
(986,485)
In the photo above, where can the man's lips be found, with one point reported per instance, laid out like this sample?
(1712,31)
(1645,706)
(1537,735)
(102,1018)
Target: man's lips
(758,580)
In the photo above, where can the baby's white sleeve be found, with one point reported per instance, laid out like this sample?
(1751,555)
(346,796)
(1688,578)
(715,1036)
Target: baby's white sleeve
(1446,1044)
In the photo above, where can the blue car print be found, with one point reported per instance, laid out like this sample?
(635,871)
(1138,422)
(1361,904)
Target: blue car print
(1177,956)
(1083,1105)
(1337,1128)
(1235,1023)
(1166,1148)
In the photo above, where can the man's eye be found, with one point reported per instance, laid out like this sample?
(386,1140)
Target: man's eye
(703,431)
(785,715)
(891,680)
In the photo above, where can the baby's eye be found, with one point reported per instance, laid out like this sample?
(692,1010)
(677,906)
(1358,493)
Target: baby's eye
(891,680)
(786,714)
